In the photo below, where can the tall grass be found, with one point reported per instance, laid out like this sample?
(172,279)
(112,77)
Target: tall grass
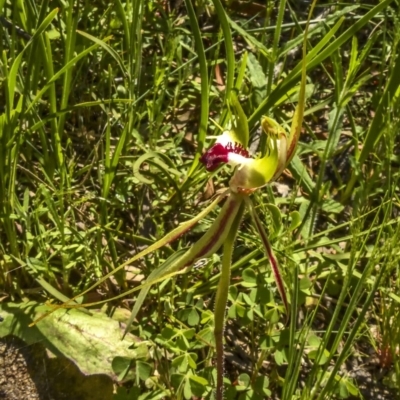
(104,113)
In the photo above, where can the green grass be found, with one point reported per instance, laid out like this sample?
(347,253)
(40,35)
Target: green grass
(104,113)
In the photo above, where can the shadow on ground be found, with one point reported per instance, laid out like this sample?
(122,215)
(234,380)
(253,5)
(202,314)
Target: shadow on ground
(27,372)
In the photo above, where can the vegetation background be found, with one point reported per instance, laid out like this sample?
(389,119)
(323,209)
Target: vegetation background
(105,109)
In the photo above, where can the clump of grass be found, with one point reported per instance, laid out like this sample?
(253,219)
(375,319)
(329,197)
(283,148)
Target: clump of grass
(105,115)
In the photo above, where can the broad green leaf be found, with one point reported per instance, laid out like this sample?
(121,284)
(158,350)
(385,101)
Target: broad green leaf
(193,318)
(279,357)
(187,390)
(181,362)
(300,173)
(249,278)
(295,220)
(91,342)
(257,79)
(322,359)
(121,366)
(143,370)
(198,379)
(243,381)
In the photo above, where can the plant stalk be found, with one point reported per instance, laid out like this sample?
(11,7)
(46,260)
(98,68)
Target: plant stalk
(221,300)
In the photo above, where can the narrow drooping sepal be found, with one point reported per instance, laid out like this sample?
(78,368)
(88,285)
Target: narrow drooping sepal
(215,237)
(207,245)
(271,256)
(168,238)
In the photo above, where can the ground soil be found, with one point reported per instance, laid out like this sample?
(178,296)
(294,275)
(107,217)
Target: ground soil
(29,373)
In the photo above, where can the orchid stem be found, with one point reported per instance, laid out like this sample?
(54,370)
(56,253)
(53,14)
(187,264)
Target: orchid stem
(221,300)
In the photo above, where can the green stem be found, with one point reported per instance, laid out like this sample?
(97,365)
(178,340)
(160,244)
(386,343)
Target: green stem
(221,300)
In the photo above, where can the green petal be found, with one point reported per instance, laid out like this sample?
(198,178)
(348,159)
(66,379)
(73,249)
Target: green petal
(270,126)
(257,173)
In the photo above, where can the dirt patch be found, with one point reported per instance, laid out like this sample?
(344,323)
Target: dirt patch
(27,372)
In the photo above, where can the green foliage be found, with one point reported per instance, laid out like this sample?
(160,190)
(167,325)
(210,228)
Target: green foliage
(104,113)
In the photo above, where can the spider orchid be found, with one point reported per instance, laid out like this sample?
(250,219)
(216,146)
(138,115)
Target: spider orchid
(249,175)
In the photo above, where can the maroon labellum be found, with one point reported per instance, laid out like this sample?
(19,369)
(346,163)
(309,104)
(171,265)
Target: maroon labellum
(219,153)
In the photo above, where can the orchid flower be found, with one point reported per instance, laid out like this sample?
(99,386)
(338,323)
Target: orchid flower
(251,173)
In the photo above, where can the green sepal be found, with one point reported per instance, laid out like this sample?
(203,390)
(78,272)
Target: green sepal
(168,238)
(207,245)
